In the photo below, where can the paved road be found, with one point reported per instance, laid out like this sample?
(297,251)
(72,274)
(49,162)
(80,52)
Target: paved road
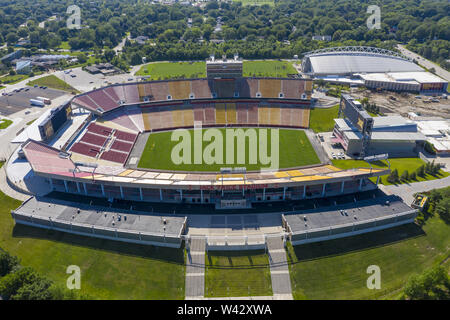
(406,191)
(424,62)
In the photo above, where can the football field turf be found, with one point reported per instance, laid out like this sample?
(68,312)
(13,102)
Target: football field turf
(295,150)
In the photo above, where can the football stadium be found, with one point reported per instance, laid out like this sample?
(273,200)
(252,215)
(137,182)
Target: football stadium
(112,175)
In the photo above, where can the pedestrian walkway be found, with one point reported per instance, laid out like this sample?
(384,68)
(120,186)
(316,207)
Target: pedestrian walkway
(406,191)
(195,269)
(6,188)
(279,270)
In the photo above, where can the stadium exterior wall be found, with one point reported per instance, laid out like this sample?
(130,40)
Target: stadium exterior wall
(364,227)
(95,231)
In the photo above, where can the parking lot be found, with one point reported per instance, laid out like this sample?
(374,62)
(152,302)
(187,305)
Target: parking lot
(333,152)
(12,102)
(84,81)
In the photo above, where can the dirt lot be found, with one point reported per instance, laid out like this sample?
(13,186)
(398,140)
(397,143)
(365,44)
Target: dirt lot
(405,102)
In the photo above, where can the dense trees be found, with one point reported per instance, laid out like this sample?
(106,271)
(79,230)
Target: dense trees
(432,284)
(24,283)
(278,31)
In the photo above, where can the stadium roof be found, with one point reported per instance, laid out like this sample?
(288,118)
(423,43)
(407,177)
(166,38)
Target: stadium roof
(346,62)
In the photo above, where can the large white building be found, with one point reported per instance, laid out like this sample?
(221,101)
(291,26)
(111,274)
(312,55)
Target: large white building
(372,67)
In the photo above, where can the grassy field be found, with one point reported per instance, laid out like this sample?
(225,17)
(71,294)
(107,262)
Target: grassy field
(5,123)
(322,120)
(171,70)
(336,269)
(237,274)
(401,164)
(54,82)
(157,152)
(268,68)
(109,269)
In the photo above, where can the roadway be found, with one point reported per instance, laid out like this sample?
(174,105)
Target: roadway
(424,62)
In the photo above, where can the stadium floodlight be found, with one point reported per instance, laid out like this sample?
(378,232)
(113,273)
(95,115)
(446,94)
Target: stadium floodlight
(378,157)
(239,170)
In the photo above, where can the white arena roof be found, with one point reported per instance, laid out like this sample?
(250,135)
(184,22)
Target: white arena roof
(359,60)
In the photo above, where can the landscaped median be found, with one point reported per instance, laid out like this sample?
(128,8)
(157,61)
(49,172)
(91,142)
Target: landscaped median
(401,164)
(237,274)
(53,82)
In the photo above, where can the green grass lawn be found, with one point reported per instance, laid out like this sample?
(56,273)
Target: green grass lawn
(5,123)
(54,82)
(157,152)
(109,269)
(322,120)
(268,68)
(336,269)
(13,79)
(401,164)
(171,70)
(237,274)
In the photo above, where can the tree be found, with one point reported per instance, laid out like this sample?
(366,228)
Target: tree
(7,263)
(443,209)
(432,284)
(413,176)
(405,175)
(135,59)
(421,171)
(109,55)
(25,283)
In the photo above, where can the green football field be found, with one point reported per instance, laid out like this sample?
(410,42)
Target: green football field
(294,150)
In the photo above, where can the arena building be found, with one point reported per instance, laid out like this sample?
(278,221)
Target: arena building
(374,68)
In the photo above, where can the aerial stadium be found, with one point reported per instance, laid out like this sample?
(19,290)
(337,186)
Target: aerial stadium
(110,176)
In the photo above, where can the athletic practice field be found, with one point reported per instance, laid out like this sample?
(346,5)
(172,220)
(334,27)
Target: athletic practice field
(294,150)
(174,70)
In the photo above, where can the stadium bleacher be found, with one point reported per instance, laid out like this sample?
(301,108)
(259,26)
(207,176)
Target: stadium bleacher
(275,116)
(180,90)
(221,114)
(231,113)
(114,156)
(160,90)
(252,113)
(112,94)
(125,136)
(98,129)
(93,139)
(270,88)
(263,115)
(241,113)
(103,100)
(200,89)
(85,149)
(131,93)
(120,145)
